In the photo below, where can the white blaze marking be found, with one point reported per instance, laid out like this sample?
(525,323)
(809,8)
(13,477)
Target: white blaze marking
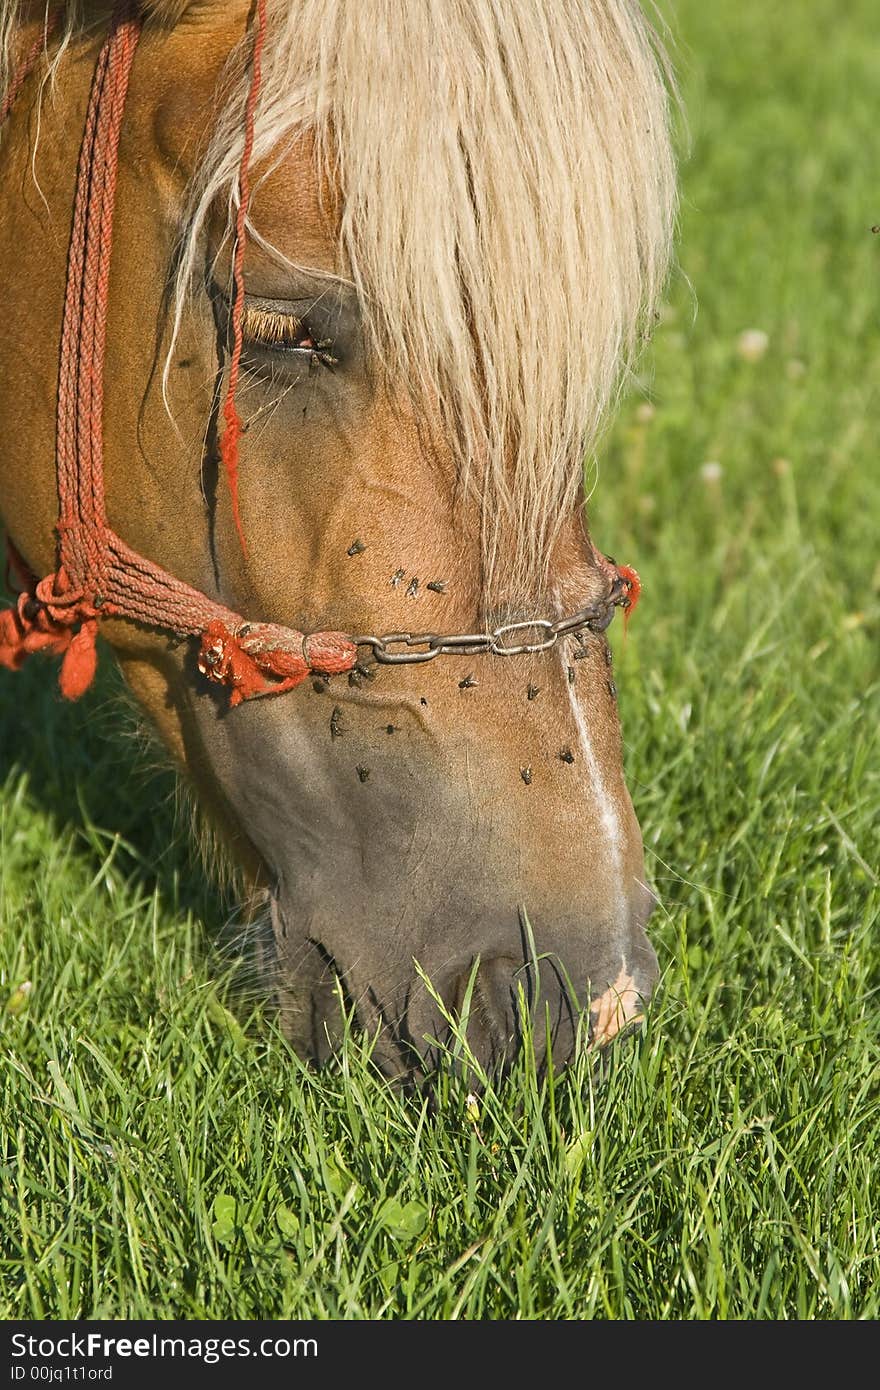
(608,816)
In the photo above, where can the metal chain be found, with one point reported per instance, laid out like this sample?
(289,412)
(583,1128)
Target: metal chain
(595,618)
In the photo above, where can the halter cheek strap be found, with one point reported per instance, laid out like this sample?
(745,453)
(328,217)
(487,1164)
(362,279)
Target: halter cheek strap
(98,575)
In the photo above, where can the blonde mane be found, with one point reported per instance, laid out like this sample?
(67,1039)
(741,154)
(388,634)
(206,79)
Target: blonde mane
(508,191)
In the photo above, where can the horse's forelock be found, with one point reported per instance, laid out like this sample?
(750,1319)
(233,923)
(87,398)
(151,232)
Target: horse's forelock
(508,200)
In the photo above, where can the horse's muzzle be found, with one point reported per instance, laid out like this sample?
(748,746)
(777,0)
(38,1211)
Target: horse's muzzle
(481,1009)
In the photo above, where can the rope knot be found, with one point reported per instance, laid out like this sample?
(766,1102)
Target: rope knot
(262,659)
(631,588)
(50,616)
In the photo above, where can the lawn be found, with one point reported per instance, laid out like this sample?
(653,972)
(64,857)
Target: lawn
(164,1156)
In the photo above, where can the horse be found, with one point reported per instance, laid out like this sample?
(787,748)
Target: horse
(313,313)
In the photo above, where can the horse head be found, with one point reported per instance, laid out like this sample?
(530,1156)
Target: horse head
(423,242)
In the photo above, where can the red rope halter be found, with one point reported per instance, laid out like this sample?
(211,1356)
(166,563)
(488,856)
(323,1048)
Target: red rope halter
(98,575)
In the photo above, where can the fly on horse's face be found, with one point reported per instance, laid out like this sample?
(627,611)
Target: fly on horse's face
(433,813)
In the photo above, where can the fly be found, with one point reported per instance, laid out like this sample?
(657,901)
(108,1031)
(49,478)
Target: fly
(320,353)
(336,729)
(360,673)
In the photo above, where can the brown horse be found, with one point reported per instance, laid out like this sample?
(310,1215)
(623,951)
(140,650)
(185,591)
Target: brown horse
(423,240)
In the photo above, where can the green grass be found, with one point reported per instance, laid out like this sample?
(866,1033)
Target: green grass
(158,1160)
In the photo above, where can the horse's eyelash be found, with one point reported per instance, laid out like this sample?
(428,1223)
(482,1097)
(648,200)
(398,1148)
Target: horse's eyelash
(274,330)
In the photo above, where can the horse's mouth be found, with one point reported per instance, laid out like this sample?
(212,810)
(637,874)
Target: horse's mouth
(483,1007)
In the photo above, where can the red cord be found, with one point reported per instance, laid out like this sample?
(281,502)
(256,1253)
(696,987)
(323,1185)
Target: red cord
(233,431)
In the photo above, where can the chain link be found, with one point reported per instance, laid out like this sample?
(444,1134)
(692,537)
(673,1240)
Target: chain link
(595,618)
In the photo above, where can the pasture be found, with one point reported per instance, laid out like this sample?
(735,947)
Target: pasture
(162,1152)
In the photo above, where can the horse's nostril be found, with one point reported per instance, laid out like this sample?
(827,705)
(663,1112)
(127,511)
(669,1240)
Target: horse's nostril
(510,998)
(554,1006)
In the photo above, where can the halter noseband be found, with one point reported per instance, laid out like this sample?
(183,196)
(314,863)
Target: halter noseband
(98,575)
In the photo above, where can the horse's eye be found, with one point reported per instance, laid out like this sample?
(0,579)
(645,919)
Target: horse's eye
(278,332)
